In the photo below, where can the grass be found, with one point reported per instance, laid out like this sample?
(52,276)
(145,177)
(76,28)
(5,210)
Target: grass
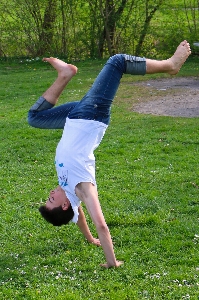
(148,180)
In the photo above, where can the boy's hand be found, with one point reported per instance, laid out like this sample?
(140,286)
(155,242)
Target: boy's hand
(118,264)
(95,242)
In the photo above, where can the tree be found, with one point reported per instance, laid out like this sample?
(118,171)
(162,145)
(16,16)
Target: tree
(47,26)
(110,13)
(192,17)
(34,22)
(150,10)
(97,28)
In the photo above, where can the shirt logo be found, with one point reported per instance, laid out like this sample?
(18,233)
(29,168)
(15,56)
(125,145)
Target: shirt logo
(62,176)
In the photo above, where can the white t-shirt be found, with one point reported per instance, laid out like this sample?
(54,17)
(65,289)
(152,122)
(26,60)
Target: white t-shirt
(75,160)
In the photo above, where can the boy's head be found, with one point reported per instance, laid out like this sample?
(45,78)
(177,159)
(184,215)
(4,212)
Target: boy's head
(57,210)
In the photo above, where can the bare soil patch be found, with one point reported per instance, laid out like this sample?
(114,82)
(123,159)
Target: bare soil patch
(176,96)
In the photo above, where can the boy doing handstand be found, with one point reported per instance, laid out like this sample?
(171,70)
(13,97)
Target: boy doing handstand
(84,124)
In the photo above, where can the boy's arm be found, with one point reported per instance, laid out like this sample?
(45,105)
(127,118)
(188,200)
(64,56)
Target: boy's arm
(83,226)
(87,192)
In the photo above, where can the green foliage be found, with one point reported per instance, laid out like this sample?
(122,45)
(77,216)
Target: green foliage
(94,29)
(147,174)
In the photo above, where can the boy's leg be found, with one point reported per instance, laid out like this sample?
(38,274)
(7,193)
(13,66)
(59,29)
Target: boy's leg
(95,105)
(40,114)
(49,117)
(65,73)
(170,66)
(97,102)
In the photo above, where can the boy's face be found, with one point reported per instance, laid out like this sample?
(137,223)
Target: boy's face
(57,197)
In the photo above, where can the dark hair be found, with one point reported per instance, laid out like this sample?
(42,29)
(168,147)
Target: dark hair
(57,216)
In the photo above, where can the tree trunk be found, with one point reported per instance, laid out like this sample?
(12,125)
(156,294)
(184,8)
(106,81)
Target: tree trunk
(64,44)
(111,16)
(47,34)
(149,16)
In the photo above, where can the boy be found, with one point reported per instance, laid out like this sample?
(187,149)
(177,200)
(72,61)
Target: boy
(84,124)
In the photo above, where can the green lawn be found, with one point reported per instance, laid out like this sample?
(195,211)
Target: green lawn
(148,182)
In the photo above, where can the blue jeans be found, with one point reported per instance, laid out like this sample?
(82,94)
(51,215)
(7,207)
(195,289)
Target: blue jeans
(96,104)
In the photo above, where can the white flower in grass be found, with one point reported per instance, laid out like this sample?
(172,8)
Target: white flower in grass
(196,239)
(157,275)
(59,275)
(176,281)
(187,296)
(72,278)
(185,282)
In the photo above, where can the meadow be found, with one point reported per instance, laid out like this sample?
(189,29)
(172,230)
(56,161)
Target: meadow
(148,182)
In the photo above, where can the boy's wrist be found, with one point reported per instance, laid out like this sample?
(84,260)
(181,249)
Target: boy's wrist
(90,239)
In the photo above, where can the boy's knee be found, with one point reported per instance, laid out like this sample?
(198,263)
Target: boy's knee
(118,60)
(33,120)
(30,119)
(116,57)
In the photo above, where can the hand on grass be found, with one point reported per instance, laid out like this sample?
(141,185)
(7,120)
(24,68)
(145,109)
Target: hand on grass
(118,264)
(95,242)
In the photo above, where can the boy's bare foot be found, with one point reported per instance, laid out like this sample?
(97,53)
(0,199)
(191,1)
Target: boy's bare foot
(64,70)
(181,54)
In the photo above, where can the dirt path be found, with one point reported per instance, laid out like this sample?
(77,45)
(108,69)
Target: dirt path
(177,96)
